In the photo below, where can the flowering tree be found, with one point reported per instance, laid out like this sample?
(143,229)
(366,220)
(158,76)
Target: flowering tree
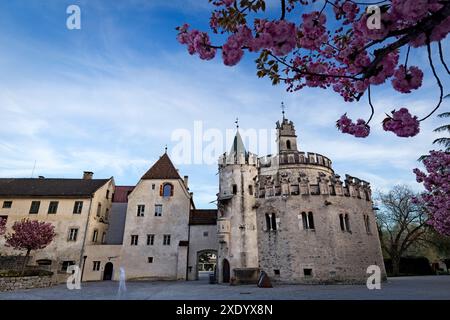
(436,198)
(30,235)
(356,50)
(2,226)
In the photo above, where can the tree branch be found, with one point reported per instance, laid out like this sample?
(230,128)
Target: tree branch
(441,88)
(283,9)
(441,55)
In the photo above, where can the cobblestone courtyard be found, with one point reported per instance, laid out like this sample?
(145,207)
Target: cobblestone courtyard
(428,287)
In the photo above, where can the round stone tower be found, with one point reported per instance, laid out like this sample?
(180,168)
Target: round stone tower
(238,248)
(312,227)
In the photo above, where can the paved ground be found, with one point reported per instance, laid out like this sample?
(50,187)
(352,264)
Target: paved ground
(409,288)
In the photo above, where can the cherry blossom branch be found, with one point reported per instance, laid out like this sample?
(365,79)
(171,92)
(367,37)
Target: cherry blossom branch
(311,73)
(441,88)
(411,33)
(407,56)
(283,9)
(441,55)
(370,104)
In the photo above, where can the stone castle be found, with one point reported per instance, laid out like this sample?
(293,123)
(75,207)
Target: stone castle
(288,215)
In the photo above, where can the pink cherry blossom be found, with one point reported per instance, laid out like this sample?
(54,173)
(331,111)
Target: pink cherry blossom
(436,198)
(359,129)
(197,42)
(313,31)
(402,123)
(30,235)
(406,80)
(277,36)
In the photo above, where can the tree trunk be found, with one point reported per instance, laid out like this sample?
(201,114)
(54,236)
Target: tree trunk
(395,266)
(25,262)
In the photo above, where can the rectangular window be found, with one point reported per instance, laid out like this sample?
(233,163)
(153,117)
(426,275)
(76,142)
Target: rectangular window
(150,239)
(367,224)
(341,222)
(53,207)
(73,234)
(140,210)
(307,272)
(250,190)
(166,240)
(95,236)
(153,186)
(66,264)
(96,266)
(134,240)
(234,189)
(34,209)
(158,210)
(99,210)
(7,204)
(107,194)
(77,207)
(150,259)
(347,223)
(308,221)
(205,233)
(276,272)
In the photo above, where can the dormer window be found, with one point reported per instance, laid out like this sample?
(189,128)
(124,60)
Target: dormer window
(166,190)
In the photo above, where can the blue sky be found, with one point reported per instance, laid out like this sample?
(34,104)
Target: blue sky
(108,97)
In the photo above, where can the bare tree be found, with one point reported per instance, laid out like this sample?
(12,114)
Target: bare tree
(401,223)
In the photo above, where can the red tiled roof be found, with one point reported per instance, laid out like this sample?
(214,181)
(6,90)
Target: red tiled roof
(121,193)
(162,169)
(203,216)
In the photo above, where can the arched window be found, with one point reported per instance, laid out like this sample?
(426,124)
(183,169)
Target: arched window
(308,220)
(271,222)
(166,190)
(288,144)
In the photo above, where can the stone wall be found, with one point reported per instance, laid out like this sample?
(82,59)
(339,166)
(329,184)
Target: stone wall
(12,262)
(19,283)
(325,253)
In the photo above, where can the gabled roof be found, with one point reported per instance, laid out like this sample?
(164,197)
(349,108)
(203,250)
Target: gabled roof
(203,217)
(162,169)
(37,187)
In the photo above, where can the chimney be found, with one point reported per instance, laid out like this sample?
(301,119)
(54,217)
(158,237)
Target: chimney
(87,175)
(186,181)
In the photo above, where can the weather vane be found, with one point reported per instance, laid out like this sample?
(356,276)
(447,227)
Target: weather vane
(165,148)
(237,123)
(283,108)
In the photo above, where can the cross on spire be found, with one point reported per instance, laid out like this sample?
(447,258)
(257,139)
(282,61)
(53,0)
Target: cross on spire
(237,123)
(283,108)
(165,149)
